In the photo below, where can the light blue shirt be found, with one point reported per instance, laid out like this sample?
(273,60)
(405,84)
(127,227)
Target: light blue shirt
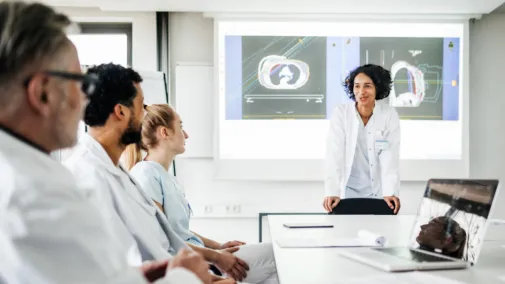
(163,188)
(360,184)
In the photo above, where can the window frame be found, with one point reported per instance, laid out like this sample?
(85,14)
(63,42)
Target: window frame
(111,28)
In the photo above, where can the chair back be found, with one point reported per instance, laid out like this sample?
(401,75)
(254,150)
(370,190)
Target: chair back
(362,206)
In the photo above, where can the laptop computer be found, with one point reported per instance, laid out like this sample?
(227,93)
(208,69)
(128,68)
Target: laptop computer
(448,232)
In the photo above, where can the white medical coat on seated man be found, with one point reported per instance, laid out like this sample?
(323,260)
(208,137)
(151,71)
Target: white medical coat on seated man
(52,228)
(115,193)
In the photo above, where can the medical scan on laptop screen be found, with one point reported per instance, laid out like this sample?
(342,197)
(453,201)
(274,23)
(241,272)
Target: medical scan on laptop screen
(452,217)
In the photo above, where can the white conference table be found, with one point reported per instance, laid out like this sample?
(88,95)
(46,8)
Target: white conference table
(325,266)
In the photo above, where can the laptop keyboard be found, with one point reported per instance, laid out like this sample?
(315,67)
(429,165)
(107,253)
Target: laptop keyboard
(412,255)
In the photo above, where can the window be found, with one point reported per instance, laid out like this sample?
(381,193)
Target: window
(101,43)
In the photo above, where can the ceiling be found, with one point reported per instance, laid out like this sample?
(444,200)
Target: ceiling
(500,9)
(447,7)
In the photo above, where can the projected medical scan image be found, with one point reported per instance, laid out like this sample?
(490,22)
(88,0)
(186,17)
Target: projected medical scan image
(283,77)
(425,72)
(453,216)
(289,77)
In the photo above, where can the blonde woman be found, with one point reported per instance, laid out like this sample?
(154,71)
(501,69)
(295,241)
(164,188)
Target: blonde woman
(163,138)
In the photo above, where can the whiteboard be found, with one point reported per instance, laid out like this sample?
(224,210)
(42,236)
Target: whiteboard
(154,85)
(194,93)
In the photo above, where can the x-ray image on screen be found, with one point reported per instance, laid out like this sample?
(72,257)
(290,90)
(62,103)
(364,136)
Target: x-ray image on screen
(283,77)
(417,68)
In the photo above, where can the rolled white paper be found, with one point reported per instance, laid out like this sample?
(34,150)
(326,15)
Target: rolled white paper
(370,238)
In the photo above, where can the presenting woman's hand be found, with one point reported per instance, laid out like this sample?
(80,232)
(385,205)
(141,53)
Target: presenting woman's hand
(393,203)
(330,202)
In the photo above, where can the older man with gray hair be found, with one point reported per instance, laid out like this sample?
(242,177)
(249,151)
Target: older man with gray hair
(46,224)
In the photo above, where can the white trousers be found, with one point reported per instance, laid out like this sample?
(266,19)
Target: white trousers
(261,261)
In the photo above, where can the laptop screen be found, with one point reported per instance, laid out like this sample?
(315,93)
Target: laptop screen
(452,217)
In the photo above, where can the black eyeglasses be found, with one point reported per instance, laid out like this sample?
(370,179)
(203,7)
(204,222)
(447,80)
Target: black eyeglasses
(89,81)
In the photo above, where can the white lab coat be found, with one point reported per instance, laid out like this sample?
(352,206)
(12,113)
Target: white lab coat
(54,230)
(384,157)
(114,193)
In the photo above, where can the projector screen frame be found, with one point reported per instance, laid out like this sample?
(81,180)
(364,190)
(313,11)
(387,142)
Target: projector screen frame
(312,170)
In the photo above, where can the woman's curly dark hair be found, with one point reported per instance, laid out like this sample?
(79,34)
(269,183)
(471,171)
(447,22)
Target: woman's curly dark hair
(115,86)
(381,78)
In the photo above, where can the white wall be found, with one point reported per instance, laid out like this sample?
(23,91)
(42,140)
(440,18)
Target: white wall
(143,31)
(192,41)
(487,102)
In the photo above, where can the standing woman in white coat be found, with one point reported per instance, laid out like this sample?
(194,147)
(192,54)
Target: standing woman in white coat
(363,144)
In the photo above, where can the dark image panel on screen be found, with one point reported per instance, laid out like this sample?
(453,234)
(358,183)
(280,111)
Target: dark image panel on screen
(425,54)
(283,77)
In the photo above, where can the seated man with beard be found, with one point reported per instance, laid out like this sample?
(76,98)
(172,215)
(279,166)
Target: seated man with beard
(49,231)
(114,118)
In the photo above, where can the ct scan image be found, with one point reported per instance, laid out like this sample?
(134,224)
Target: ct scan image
(416,65)
(283,77)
